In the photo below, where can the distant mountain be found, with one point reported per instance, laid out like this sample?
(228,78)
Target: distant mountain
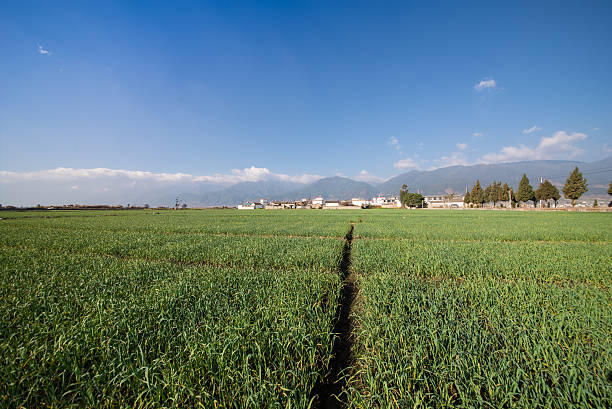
(246,191)
(439,181)
(457,178)
(333,188)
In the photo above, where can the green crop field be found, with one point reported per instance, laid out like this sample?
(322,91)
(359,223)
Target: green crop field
(237,309)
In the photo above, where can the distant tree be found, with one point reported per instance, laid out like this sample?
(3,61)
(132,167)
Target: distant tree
(488,192)
(415,200)
(575,186)
(477,194)
(403,193)
(546,191)
(466,198)
(495,192)
(595,204)
(184,205)
(610,193)
(525,192)
(555,196)
(504,193)
(146,206)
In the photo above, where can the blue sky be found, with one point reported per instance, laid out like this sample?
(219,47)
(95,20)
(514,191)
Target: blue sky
(243,90)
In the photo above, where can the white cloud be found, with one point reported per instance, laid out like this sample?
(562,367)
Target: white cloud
(42,51)
(484,84)
(455,159)
(395,143)
(407,163)
(606,148)
(365,176)
(534,128)
(74,187)
(558,146)
(596,129)
(252,174)
(461,146)
(477,134)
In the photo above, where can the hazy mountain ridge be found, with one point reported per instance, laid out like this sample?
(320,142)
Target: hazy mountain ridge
(439,181)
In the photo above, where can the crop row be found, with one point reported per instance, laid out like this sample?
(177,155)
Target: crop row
(539,261)
(480,343)
(242,251)
(482,225)
(80,331)
(282,223)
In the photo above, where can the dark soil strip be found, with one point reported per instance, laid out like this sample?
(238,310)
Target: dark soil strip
(329,392)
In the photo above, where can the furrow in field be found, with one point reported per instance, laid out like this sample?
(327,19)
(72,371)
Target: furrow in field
(330,391)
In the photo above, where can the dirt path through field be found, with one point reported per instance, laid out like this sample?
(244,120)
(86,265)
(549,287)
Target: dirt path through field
(328,393)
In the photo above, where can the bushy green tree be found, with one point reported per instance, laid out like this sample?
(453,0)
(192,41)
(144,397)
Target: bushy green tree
(477,195)
(595,204)
(547,191)
(466,198)
(525,192)
(575,186)
(415,200)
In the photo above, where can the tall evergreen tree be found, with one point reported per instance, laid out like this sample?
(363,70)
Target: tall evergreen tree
(610,189)
(555,195)
(541,193)
(403,193)
(504,193)
(466,197)
(477,194)
(488,191)
(525,192)
(575,186)
(497,192)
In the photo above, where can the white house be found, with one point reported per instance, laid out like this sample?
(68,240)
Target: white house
(378,201)
(440,202)
(249,206)
(356,201)
(332,203)
(318,201)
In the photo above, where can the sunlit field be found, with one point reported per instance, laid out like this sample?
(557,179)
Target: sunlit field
(236,309)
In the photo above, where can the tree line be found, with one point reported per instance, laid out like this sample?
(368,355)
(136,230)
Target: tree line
(575,186)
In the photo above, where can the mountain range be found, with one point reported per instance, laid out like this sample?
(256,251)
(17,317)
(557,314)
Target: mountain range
(453,179)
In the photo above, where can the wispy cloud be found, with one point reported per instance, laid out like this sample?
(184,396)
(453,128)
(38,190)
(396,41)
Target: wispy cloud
(485,84)
(407,163)
(462,146)
(43,51)
(477,134)
(606,148)
(534,128)
(395,143)
(454,159)
(560,145)
(365,176)
(252,174)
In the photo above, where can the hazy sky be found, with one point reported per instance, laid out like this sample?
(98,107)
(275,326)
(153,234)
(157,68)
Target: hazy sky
(364,90)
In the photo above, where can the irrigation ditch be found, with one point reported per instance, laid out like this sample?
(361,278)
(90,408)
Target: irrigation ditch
(328,392)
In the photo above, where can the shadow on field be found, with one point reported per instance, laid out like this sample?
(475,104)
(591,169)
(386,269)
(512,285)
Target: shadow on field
(328,393)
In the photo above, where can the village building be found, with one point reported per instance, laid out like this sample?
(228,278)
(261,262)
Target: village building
(356,201)
(318,201)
